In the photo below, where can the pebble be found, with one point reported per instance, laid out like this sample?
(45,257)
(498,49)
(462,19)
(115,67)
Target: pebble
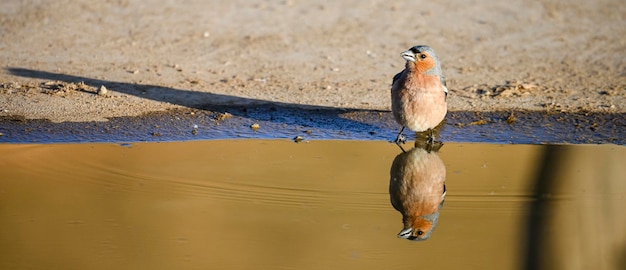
(223,116)
(511,118)
(255,126)
(102,90)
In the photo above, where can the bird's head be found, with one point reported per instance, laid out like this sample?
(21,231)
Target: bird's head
(422,58)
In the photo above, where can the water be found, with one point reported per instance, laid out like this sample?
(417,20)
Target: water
(276,204)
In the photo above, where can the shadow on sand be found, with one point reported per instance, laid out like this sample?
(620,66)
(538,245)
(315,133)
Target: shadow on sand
(279,112)
(286,120)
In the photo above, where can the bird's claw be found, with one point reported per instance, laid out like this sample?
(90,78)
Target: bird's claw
(400,139)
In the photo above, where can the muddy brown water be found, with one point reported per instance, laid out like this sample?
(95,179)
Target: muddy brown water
(276,204)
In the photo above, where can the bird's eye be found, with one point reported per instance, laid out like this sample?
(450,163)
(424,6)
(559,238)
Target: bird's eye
(420,232)
(423,56)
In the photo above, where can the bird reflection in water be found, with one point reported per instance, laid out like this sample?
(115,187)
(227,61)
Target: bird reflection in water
(417,189)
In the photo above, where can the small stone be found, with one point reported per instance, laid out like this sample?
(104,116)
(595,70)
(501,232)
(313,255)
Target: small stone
(156,134)
(102,91)
(511,119)
(223,116)
(255,126)
(298,139)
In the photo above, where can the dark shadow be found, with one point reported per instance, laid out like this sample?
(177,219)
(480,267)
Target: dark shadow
(202,100)
(187,98)
(621,261)
(540,209)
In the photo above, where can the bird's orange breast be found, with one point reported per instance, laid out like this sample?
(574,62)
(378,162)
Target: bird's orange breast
(424,82)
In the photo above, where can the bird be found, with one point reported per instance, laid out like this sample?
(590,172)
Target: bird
(419,93)
(417,190)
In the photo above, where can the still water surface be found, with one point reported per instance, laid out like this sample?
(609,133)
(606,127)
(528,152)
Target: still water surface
(268,204)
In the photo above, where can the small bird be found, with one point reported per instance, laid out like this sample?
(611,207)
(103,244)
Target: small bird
(417,190)
(419,92)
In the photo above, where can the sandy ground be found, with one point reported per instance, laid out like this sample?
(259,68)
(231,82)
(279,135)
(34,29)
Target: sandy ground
(155,55)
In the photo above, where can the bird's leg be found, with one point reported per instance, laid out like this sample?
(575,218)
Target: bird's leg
(400,138)
(431,136)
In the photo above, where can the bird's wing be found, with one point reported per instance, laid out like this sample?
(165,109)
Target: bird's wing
(396,201)
(396,77)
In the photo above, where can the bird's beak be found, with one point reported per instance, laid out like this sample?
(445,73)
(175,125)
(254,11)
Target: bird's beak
(408,55)
(406,233)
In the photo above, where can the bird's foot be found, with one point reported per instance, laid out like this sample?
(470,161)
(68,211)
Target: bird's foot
(430,140)
(400,139)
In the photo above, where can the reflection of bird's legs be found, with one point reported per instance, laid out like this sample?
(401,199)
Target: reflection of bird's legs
(429,147)
(400,138)
(431,136)
(401,148)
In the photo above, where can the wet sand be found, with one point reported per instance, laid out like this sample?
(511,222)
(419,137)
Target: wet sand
(549,56)
(275,122)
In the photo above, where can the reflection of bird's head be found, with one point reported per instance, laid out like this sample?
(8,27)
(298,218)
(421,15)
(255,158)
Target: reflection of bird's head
(422,59)
(420,228)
